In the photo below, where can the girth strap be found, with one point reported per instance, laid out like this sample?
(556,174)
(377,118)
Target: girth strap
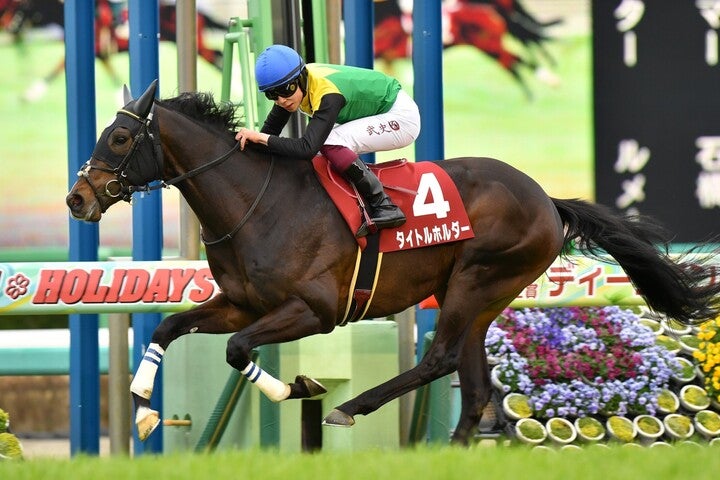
(362,287)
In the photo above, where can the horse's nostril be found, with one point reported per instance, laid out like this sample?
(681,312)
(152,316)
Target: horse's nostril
(74,201)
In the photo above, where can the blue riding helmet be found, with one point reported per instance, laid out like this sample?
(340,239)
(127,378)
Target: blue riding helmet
(277,65)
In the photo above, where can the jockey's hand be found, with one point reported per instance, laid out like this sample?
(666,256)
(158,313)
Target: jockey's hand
(245,135)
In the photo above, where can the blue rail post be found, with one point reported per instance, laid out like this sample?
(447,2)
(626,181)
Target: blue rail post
(358,17)
(84,238)
(147,209)
(428,92)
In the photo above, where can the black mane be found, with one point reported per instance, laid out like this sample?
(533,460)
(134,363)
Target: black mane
(202,107)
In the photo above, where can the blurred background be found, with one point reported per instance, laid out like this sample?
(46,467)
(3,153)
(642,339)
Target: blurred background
(540,121)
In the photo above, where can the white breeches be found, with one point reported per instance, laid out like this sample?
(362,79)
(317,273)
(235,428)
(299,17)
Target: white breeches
(397,128)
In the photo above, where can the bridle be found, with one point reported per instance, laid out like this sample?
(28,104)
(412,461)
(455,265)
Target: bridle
(120,186)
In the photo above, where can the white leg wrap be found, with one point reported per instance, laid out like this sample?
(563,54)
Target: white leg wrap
(141,413)
(273,388)
(144,378)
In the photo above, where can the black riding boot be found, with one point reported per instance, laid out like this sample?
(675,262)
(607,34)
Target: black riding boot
(383,212)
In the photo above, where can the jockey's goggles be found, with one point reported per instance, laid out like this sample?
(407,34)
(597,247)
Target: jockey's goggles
(283,91)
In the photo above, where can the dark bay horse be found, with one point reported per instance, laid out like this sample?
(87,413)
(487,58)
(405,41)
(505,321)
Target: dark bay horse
(283,256)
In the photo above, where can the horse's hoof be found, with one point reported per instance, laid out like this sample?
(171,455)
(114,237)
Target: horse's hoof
(336,418)
(147,425)
(314,388)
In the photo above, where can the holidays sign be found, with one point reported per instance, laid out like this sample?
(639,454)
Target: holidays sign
(104,287)
(171,286)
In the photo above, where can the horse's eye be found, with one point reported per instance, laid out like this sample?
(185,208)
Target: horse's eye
(120,139)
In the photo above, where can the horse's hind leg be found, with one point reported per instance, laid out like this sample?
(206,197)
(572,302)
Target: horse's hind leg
(440,359)
(474,375)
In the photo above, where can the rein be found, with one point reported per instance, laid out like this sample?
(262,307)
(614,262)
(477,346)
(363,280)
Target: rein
(200,169)
(127,190)
(250,211)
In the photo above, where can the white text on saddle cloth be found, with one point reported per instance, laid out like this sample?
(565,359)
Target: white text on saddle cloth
(414,238)
(436,215)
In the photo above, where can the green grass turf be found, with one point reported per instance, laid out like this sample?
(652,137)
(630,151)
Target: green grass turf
(424,463)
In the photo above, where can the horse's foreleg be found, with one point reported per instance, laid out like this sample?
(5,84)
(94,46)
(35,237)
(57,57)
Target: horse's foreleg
(290,321)
(215,316)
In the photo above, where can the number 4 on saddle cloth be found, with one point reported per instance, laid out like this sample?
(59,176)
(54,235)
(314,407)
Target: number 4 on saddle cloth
(427,196)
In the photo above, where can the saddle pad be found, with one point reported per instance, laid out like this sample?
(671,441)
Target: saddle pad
(425,193)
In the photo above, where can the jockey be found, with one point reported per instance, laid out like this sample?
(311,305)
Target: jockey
(352,111)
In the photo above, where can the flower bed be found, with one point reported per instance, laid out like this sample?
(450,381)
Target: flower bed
(580,361)
(588,365)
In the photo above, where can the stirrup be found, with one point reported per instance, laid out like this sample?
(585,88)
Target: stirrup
(372,226)
(366,229)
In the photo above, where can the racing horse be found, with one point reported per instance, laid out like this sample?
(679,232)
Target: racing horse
(484,24)
(273,289)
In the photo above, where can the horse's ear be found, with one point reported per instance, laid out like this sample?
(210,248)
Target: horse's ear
(145,102)
(127,96)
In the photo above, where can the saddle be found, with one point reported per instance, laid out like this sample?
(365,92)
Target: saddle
(424,192)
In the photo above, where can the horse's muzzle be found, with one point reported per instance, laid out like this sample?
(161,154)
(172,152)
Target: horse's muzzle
(82,210)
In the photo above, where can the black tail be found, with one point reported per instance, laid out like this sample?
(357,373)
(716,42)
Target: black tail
(685,287)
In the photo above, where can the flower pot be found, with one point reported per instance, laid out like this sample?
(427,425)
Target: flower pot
(654,325)
(589,429)
(516,406)
(570,447)
(530,431)
(678,427)
(707,423)
(621,428)
(660,444)
(667,401)
(649,428)
(694,398)
(689,343)
(686,373)
(675,328)
(672,345)
(560,430)
(542,448)
(689,444)
(599,446)
(495,380)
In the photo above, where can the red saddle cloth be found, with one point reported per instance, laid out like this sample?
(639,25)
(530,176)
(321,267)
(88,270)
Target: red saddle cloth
(425,193)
